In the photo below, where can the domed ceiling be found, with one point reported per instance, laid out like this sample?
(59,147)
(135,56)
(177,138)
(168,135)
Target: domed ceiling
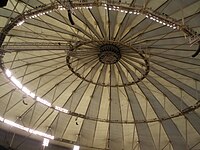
(115,75)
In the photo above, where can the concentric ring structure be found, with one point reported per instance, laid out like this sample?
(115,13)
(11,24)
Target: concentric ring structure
(121,78)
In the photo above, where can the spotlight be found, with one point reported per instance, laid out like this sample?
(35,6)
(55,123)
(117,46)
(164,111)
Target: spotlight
(45,142)
(8,73)
(76,147)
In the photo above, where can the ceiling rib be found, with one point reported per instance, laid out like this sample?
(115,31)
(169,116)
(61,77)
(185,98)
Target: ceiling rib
(146,142)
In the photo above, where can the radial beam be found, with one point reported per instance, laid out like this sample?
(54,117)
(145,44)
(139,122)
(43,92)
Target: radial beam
(169,126)
(144,134)
(93,111)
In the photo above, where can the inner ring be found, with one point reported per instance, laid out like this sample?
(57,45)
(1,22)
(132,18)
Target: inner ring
(109,54)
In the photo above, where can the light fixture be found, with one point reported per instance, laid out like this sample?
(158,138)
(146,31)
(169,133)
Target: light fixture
(43,101)
(25,90)
(61,109)
(13,124)
(76,147)
(20,23)
(174,27)
(45,142)
(8,73)
(1,119)
(16,82)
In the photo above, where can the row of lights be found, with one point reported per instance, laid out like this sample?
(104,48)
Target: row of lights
(25,90)
(114,8)
(32,131)
(147,15)
(46,143)
(150,15)
(39,99)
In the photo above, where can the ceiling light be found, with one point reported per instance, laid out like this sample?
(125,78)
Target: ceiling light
(13,124)
(8,73)
(45,142)
(43,101)
(1,119)
(20,23)
(32,95)
(25,90)
(76,147)
(41,134)
(61,109)
(16,82)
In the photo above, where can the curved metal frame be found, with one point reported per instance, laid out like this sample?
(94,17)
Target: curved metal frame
(138,9)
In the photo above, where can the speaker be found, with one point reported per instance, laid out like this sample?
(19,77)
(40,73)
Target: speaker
(3,3)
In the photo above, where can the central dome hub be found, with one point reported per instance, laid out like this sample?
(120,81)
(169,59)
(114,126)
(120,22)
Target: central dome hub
(109,54)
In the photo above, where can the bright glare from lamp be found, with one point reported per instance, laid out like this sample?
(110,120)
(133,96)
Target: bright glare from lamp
(43,101)
(16,82)
(25,90)
(76,147)
(45,142)
(8,73)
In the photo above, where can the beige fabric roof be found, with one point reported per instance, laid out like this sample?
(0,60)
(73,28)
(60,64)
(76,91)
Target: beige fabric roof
(149,99)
